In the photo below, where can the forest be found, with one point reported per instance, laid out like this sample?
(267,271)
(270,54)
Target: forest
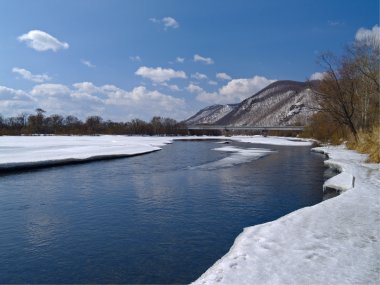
(56,124)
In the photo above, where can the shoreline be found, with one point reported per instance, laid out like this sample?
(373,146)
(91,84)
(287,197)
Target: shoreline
(338,237)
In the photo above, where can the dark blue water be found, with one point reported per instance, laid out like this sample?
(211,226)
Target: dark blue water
(145,219)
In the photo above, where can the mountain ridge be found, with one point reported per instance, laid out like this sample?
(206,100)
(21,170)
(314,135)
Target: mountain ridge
(281,103)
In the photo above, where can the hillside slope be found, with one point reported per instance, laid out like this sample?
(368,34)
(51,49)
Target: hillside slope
(282,103)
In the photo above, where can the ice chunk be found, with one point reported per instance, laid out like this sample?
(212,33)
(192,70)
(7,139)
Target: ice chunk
(341,182)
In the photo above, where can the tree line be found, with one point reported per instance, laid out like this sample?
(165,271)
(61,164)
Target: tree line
(39,123)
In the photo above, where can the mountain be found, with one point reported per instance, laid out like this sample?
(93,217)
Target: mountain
(282,103)
(211,114)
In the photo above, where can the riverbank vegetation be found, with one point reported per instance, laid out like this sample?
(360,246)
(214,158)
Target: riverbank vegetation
(55,124)
(348,99)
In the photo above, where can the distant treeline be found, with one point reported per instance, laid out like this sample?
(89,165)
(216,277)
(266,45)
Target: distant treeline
(39,123)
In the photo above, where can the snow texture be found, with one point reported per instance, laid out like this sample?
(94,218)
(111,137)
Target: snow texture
(32,151)
(239,156)
(282,103)
(334,242)
(211,114)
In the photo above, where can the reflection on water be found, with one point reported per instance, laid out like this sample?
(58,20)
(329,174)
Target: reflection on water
(155,218)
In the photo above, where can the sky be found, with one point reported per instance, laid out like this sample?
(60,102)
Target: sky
(125,59)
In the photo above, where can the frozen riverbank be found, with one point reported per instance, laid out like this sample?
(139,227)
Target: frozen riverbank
(334,242)
(35,151)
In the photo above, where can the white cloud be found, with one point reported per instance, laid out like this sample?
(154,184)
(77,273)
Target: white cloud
(199,76)
(212,82)
(87,63)
(160,74)
(223,76)
(14,101)
(206,60)
(10,93)
(26,74)
(167,22)
(180,59)
(50,89)
(194,88)
(42,41)
(368,36)
(135,58)
(234,91)
(83,99)
(318,75)
(170,22)
(239,89)
(172,87)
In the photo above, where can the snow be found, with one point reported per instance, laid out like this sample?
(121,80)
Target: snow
(341,182)
(28,151)
(239,156)
(334,242)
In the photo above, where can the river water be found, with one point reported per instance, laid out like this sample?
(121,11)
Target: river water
(163,217)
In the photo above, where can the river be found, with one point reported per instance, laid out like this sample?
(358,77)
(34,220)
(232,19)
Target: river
(163,217)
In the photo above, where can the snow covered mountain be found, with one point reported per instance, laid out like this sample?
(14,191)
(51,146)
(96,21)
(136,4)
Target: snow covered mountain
(211,114)
(282,103)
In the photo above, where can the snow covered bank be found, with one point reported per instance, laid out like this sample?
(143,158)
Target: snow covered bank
(334,242)
(33,151)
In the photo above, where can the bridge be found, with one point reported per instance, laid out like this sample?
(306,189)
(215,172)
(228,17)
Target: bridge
(245,128)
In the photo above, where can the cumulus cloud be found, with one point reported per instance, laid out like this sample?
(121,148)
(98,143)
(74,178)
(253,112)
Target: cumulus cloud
(83,99)
(87,63)
(42,41)
(180,59)
(368,36)
(167,22)
(26,74)
(14,101)
(50,89)
(234,91)
(11,93)
(223,76)
(212,82)
(206,60)
(170,22)
(194,88)
(199,76)
(159,74)
(318,75)
(172,87)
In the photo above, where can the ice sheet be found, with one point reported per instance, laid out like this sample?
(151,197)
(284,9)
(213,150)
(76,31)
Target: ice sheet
(238,156)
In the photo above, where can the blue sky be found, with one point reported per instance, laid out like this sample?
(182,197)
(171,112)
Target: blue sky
(136,59)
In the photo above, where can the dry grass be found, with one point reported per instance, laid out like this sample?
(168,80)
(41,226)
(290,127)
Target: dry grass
(369,143)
